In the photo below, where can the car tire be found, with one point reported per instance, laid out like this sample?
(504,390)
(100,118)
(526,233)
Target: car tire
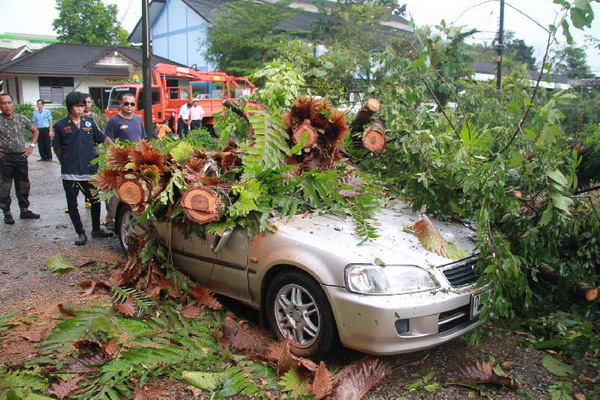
(127,226)
(297,306)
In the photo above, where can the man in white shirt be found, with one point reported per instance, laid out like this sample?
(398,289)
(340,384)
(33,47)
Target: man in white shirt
(196,114)
(184,121)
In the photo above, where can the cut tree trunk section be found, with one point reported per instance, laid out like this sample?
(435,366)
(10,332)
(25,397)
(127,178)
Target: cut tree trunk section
(136,189)
(203,205)
(364,115)
(373,138)
(305,128)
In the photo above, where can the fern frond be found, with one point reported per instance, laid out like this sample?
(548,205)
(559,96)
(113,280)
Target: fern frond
(269,147)
(143,301)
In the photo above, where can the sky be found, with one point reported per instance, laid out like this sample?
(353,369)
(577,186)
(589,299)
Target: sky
(35,17)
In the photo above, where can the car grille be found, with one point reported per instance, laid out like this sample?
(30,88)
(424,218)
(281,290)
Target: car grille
(453,318)
(463,272)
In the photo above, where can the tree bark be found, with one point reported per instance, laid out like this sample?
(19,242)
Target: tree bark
(370,107)
(373,138)
(203,205)
(583,289)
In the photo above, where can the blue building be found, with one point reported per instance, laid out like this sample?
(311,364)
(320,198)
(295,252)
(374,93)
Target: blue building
(178,27)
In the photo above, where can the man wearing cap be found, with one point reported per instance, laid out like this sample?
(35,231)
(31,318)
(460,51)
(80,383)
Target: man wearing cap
(196,114)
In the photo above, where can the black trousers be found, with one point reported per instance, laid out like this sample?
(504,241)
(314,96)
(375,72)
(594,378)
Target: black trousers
(44,144)
(72,189)
(182,128)
(14,167)
(196,124)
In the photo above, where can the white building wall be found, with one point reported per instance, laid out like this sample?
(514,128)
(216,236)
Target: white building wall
(84,83)
(29,89)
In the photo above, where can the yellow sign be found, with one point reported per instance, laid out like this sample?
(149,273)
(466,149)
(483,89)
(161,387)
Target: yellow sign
(113,81)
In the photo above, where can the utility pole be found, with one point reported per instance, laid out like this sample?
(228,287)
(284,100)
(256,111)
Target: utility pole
(500,48)
(147,68)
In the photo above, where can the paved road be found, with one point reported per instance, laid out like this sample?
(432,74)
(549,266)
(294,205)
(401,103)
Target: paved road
(26,246)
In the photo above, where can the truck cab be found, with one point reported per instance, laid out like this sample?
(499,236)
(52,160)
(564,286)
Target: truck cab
(173,86)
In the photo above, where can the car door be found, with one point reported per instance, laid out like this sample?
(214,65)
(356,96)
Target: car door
(191,253)
(230,270)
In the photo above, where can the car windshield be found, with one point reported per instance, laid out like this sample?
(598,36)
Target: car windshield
(117,92)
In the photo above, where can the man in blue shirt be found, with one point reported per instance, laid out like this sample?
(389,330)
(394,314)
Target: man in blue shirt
(74,140)
(42,120)
(126,125)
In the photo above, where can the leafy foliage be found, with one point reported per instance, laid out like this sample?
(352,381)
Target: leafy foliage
(88,22)
(239,47)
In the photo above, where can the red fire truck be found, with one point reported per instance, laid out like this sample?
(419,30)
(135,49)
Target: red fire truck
(173,86)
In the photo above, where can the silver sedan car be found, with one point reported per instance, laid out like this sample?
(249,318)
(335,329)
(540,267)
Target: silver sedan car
(314,283)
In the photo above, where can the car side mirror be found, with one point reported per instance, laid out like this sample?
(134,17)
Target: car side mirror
(220,241)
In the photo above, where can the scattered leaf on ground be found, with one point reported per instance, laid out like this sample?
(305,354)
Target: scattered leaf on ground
(62,389)
(58,264)
(556,367)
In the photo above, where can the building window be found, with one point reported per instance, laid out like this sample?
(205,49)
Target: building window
(55,89)
(113,61)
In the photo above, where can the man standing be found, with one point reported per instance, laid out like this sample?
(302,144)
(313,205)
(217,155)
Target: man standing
(196,114)
(74,140)
(89,113)
(184,121)
(13,159)
(126,125)
(42,120)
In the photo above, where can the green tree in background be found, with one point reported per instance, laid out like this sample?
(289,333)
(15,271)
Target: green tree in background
(571,61)
(244,36)
(88,22)
(519,51)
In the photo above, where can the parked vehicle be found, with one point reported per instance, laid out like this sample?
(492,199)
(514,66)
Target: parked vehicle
(173,86)
(313,283)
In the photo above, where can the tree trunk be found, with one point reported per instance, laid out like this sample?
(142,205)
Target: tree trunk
(136,189)
(373,138)
(583,289)
(370,107)
(203,205)
(300,130)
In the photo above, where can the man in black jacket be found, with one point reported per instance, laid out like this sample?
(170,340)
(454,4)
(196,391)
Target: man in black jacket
(74,139)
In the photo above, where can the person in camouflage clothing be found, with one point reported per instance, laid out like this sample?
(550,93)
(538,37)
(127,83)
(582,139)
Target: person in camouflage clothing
(13,159)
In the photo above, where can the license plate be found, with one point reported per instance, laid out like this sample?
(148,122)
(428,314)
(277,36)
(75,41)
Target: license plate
(477,301)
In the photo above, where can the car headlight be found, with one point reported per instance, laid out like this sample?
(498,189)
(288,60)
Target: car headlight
(391,279)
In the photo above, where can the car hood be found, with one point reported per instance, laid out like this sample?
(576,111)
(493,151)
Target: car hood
(396,244)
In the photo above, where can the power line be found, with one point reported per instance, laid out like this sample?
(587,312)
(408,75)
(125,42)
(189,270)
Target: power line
(126,12)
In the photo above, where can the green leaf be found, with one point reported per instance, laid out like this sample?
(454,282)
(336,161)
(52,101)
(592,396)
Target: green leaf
(203,380)
(556,367)
(561,202)
(546,216)
(513,107)
(58,264)
(566,31)
(182,151)
(292,382)
(557,177)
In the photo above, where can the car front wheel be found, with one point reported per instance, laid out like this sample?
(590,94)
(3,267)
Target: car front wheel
(297,308)
(128,227)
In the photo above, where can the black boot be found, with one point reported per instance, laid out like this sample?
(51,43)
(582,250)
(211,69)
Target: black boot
(81,239)
(8,219)
(102,233)
(29,215)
